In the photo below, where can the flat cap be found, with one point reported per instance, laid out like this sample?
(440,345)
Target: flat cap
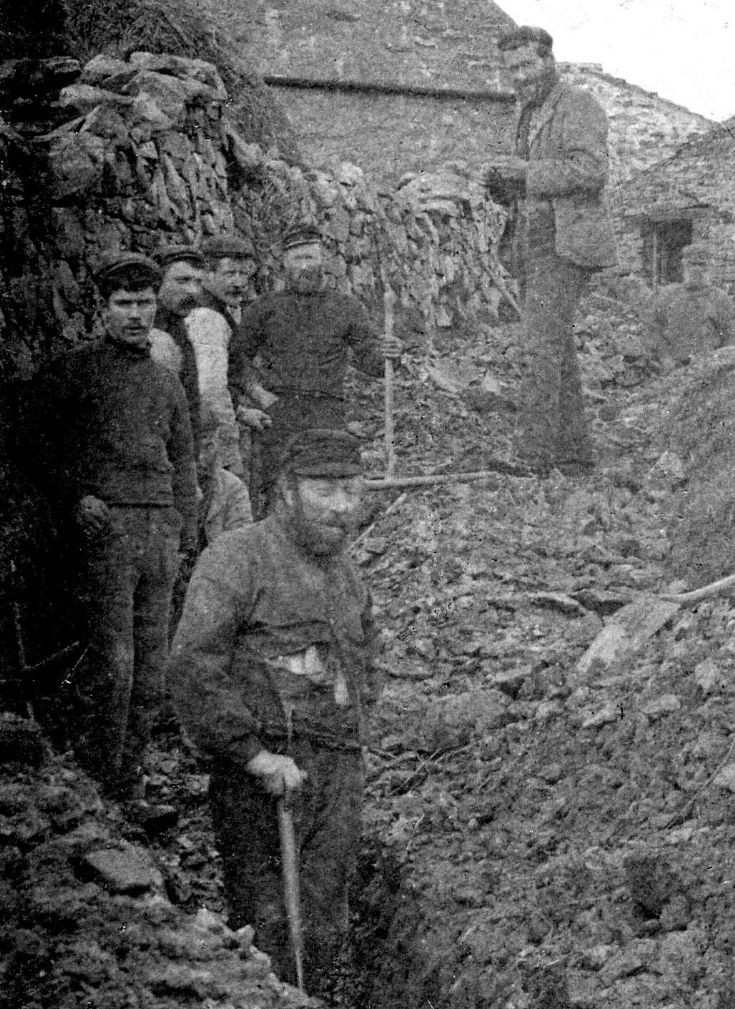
(322,452)
(301,234)
(127,267)
(228,247)
(168,254)
(696,253)
(524,35)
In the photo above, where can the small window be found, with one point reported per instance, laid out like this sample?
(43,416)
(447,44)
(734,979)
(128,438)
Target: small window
(663,242)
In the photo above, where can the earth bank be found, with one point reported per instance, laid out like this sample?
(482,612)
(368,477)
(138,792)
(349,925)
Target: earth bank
(535,837)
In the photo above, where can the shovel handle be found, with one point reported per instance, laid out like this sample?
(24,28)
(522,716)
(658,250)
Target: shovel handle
(389,423)
(291,895)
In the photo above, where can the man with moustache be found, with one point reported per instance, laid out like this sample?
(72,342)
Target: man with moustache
(115,447)
(555,184)
(272,669)
(182,269)
(229,265)
(302,339)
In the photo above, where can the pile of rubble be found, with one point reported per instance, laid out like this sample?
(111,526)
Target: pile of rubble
(544,834)
(87,918)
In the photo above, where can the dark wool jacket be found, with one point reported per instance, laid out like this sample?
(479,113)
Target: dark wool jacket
(114,424)
(255,599)
(303,342)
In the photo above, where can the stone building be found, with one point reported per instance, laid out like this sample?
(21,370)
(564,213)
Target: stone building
(644,127)
(392,86)
(689,196)
(407,86)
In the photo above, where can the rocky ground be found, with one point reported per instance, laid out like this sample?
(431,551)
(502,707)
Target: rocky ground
(537,837)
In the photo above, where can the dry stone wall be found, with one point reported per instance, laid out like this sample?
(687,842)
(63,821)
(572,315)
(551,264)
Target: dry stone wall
(144,153)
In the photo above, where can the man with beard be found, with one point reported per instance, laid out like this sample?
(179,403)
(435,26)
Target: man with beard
(272,671)
(556,180)
(302,338)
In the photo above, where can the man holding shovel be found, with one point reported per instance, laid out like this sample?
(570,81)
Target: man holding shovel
(302,338)
(272,670)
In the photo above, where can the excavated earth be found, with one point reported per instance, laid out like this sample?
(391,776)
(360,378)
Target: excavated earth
(536,837)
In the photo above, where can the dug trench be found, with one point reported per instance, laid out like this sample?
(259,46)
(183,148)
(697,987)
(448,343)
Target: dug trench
(535,837)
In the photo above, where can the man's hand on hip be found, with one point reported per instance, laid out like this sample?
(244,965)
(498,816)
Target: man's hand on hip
(277,774)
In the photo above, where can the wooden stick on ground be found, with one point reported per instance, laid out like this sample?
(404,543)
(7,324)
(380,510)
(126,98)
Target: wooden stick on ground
(706,591)
(444,478)
(503,288)
(368,529)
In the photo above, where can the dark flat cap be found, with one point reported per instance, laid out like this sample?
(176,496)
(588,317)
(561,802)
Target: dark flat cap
(228,247)
(322,452)
(525,35)
(168,254)
(126,268)
(301,234)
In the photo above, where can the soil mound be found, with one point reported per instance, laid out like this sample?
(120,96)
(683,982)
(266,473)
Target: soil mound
(698,426)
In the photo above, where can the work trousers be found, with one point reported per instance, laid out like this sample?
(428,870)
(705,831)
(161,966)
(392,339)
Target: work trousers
(552,428)
(292,412)
(327,815)
(127,580)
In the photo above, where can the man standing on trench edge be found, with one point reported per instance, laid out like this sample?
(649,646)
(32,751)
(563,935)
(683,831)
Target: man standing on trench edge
(557,179)
(302,338)
(272,670)
(114,448)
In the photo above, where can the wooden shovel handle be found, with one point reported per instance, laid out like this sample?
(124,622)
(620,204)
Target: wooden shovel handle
(389,422)
(291,889)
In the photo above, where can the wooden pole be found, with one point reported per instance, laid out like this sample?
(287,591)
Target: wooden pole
(389,420)
(503,288)
(443,478)
(291,894)
(366,532)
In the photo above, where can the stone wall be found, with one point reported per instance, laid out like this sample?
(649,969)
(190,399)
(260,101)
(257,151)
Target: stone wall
(139,153)
(148,155)
(440,43)
(389,134)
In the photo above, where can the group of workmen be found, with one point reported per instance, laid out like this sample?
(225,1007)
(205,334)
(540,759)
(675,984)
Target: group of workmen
(202,408)
(260,633)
